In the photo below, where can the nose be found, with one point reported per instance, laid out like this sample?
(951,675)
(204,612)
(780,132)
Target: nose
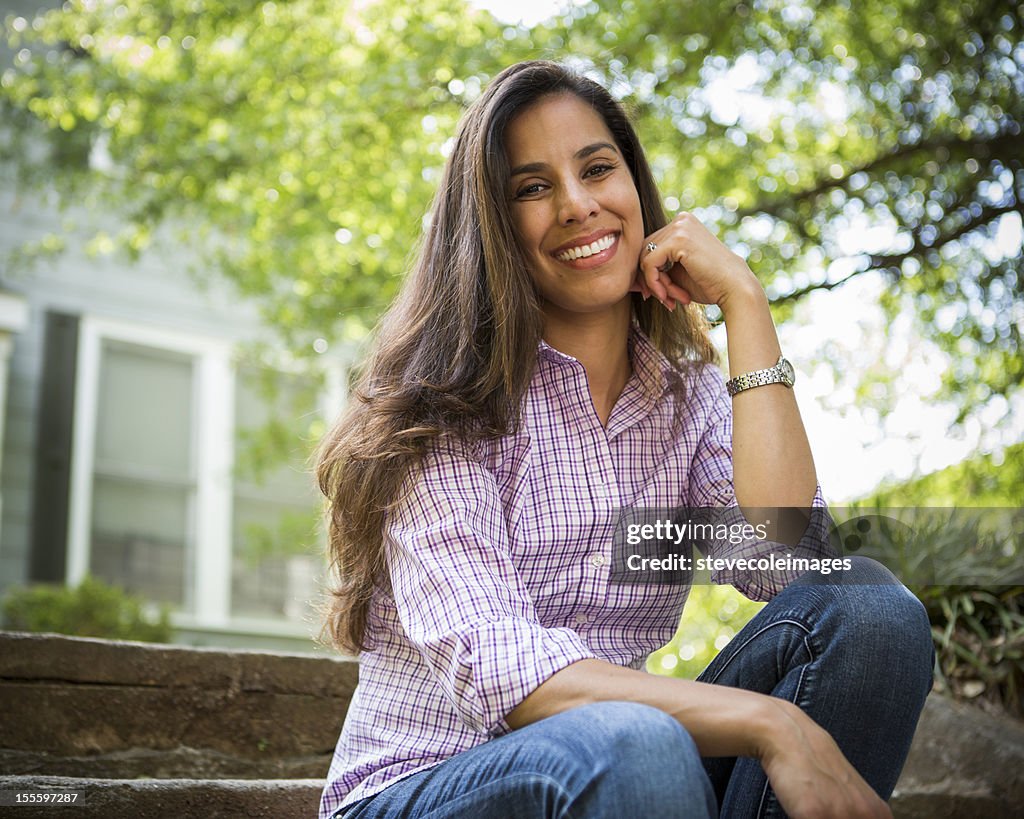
(576,203)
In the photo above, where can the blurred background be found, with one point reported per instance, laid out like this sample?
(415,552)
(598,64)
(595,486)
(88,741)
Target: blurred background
(205,206)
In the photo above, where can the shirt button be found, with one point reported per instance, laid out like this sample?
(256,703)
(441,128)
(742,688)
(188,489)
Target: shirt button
(597,561)
(580,619)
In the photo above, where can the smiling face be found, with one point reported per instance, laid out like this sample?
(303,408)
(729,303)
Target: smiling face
(575,207)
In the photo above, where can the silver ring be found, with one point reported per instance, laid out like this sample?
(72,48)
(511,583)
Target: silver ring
(651,247)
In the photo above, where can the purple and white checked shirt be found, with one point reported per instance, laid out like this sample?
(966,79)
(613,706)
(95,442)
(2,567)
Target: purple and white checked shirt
(500,557)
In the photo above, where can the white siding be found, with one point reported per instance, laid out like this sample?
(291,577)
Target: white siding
(157,293)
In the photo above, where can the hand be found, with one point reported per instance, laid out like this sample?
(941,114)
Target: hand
(691,264)
(811,777)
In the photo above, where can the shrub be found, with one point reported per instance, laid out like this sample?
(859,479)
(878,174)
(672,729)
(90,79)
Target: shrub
(967,566)
(92,609)
(979,640)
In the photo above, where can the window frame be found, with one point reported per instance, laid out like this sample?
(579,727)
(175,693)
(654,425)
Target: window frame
(208,552)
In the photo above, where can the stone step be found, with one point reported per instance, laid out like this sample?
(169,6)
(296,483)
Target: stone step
(163,798)
(101,709)
(964,764)
(168,731)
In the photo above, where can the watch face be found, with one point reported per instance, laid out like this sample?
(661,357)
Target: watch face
(787,371)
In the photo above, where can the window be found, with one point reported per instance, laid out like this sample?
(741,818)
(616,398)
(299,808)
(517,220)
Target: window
(143,491)
(190,481)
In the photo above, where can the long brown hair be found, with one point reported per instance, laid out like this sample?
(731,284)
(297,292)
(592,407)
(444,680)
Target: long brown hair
(454,354)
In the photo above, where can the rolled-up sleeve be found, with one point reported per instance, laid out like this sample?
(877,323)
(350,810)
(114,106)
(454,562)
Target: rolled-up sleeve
(459,597)
(711,487)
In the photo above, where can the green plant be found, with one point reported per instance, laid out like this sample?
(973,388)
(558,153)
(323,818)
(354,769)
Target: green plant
(91,609)
(967,568)
(979,642)
(964,565)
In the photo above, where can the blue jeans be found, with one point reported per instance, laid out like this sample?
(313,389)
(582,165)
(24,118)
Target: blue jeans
(854,651)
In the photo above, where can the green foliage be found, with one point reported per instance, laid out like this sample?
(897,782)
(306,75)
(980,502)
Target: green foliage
(713,616)
(899,120)
(989,480)
(293,533)
(956,538)
(933,543)
(978,629)
(306,138)
(967,567)
(92,609)
(979,639)
(276,433)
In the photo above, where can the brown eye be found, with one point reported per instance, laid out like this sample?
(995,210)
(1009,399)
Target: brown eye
(529,190)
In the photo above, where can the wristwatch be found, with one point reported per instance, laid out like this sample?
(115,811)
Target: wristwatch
(781,373)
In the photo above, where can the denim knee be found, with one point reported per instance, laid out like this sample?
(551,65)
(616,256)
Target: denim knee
(640,743)
(877,609)
(881,599)
(637,730)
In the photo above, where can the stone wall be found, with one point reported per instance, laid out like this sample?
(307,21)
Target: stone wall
(964,764)
(98,708)
(144,730)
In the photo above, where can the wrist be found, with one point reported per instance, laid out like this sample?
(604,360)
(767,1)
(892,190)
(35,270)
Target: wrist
(744,299)
(775,727)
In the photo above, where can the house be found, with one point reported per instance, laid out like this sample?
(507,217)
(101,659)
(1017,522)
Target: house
(132,403)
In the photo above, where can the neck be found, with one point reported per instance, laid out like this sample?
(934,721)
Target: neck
(599,341)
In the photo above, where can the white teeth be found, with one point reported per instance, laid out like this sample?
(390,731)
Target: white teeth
(584,251)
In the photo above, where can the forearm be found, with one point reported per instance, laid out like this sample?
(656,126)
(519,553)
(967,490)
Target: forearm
(723,721)
(772,463)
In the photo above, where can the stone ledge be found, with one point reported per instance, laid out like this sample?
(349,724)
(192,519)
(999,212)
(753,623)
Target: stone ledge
(228,733)
(103,708)
(174,763)
(163,798)
(963,764)
(56,658)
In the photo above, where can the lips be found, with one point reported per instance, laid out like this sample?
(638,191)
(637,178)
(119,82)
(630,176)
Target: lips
(585,246)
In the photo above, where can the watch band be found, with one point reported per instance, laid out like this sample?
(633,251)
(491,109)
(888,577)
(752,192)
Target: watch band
(781,373)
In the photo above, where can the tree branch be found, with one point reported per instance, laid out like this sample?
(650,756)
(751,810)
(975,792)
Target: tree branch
(992,144)
(988,214)
(893,261)
(796,295)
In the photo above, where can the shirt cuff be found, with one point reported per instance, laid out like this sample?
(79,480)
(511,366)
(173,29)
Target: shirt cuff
(504,661)
(762,568)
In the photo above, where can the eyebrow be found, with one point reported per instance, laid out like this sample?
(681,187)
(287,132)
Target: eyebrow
(582,153)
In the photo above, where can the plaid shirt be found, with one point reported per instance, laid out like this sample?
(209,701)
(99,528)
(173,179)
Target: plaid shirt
(500,556)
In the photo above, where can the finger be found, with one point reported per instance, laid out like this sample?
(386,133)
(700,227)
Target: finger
(654,284)
(652,258)
(680,294)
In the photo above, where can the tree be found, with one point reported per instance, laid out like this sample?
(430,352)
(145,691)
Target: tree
(299,141)
(897,119)
(880,137)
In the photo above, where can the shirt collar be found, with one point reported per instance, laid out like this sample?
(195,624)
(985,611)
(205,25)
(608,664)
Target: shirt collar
(652,371)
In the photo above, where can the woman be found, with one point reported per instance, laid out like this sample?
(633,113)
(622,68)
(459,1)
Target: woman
(545,366)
